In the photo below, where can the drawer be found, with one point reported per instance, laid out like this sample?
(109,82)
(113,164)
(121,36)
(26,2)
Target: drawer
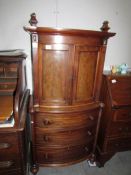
(66,121)
(8,86)
(123,115)
(11,68)
(62,155)
(9,165)
(63,138)
(119,144)
(120,90)
(8,146)
(119,129)
(8,70)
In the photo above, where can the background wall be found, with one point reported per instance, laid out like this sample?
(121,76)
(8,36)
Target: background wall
(81,14)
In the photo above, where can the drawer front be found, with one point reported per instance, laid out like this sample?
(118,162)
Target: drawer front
(120,87)
(8,70)
(123,115)
(66,121)
(62,155)
(8,146)
(7,86)
(9,165)
(119,129)
(64,138)
(115,145)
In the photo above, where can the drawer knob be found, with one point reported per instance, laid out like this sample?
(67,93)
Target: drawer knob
(6,164)
(4,145)
(46,122)
(89,133)
(120,129)
(117,144)
(86,148)
(46,138)
(91,117)
(46,155)
(130,114)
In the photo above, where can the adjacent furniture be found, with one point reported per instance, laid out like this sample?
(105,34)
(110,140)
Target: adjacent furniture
(65,107)
(115,127)
(14,143)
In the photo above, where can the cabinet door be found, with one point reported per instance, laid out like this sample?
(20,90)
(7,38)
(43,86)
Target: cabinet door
(85,81)
(55,74)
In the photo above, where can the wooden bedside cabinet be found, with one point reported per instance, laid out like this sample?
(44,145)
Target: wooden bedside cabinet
(115,127)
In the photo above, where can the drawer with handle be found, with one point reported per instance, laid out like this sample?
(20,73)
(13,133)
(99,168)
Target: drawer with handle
(62,155)
(71,137)
(119,144)
(66,121)
(119,129)
(123,114)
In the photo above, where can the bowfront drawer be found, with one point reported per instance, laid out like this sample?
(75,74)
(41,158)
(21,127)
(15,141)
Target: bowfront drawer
(62,155)
(120,144)
(66,121)
(123,114)
(63,138)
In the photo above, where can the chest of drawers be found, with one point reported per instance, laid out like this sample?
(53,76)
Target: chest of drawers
(64,138)
(65,107)
(14,95)
(115,128)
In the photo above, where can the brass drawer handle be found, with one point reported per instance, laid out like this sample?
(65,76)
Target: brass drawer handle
(91,117)
(4,145)
(6,164)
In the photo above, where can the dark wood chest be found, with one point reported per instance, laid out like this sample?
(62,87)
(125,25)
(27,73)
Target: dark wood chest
(14,141)
(115,128)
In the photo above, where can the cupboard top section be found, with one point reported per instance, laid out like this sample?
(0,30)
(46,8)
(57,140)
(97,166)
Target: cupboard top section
(61,31)
(69,32)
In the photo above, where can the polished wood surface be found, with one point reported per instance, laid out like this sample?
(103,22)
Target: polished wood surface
(115,128)
(65,107)
(6,107)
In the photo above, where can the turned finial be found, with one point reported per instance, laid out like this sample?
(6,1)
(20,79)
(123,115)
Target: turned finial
(105,27)
(33,21)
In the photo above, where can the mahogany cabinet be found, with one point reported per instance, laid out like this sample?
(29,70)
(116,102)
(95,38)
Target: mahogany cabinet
(115,127)
(65,107)
(14,95)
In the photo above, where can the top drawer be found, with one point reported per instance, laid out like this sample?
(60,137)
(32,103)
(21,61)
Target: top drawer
(122,115)
(119,90)
(66,121)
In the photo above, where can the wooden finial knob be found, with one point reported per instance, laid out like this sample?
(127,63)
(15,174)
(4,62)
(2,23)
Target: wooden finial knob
(105,27)
(33,21)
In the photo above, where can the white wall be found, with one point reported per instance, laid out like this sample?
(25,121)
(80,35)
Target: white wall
(83,14)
